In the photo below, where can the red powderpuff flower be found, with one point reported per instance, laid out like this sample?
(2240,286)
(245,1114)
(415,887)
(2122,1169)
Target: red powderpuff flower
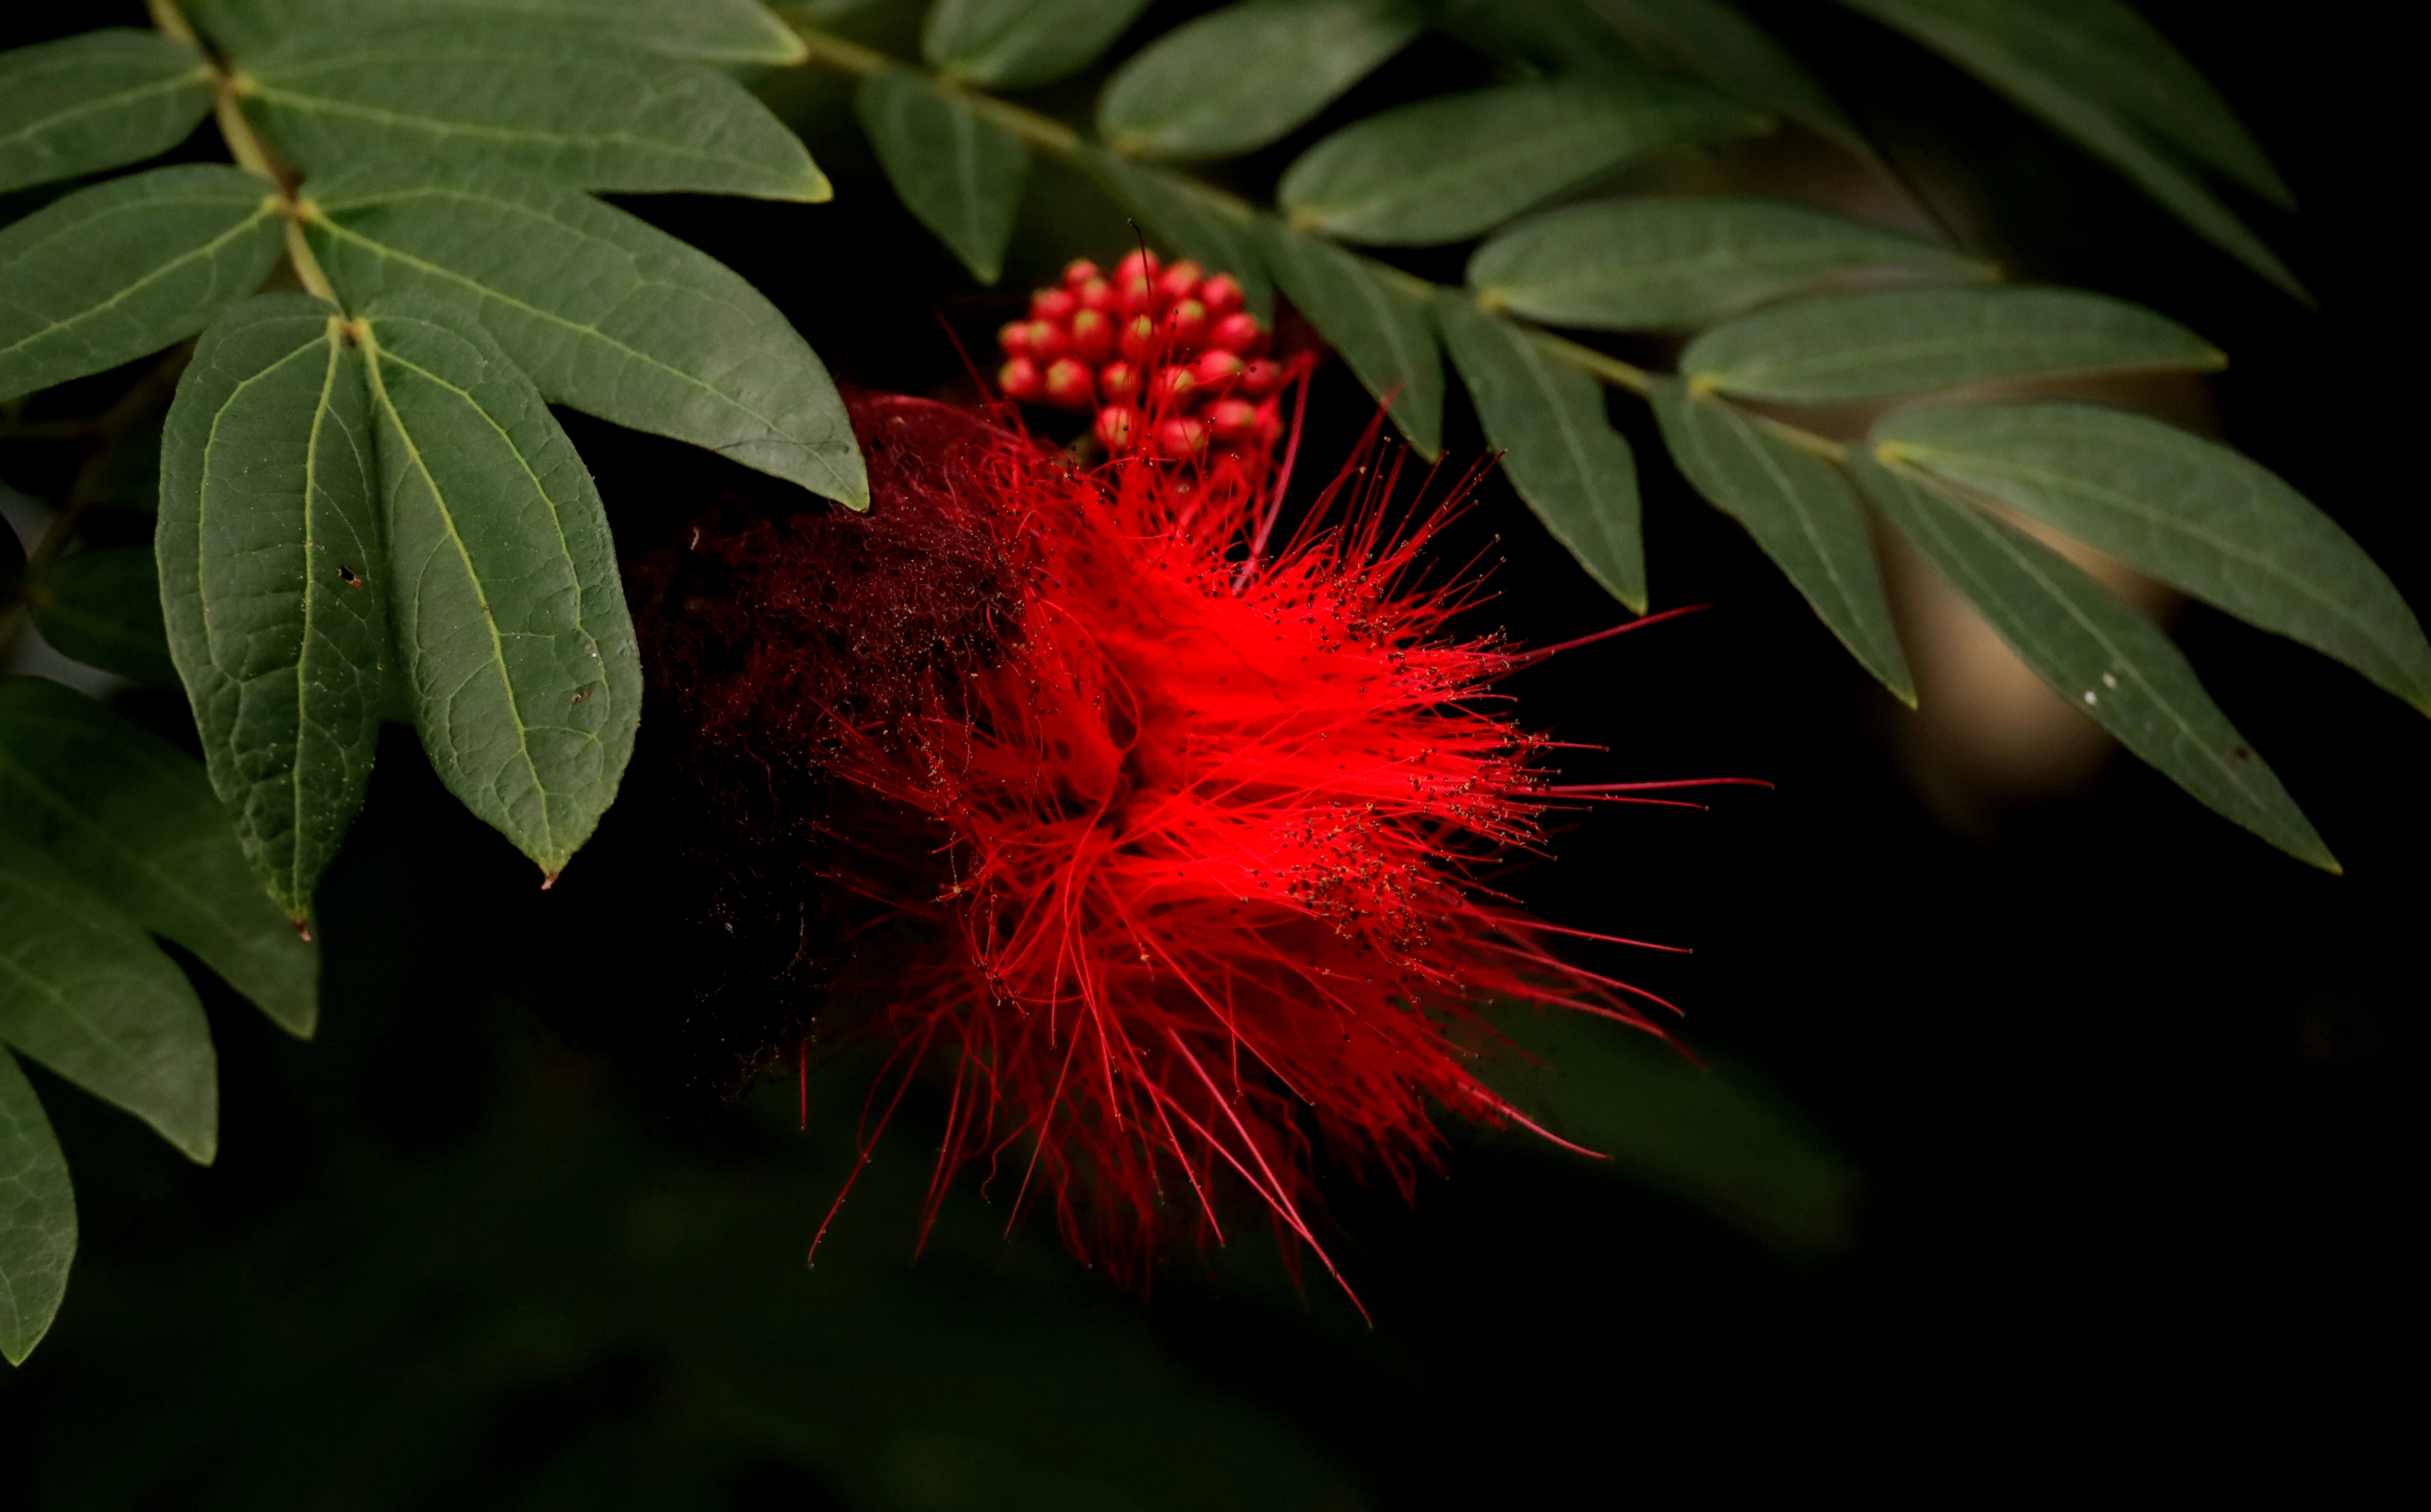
(1208,820)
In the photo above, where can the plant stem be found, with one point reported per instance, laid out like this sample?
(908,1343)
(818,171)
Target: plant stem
(1054,136)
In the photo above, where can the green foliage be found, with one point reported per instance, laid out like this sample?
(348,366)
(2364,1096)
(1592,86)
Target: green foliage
(1374,317)
(2082,640)
(1245,76)
(37,1219)
(102,100)
(118,271)
(1216,230)
(1682,264)
(1446,170)
(1017,44)
(1914,340)
(960,173)
(1801,510)
(102,607)
(724,31)
(1560,451)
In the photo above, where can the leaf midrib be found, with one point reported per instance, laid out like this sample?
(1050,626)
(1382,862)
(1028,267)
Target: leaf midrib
(503,136)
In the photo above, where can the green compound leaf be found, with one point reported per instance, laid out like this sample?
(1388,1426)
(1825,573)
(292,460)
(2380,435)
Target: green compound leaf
(2097,654)
(1801,513)
(118,271)
(1382,332)
(2098,74)
(1017,44)
(1218,233)
(1559,449)
(723,31)
(38,1217)
(958,173)
(84,991)
(1909,340)
(608,314)
(520,659)
(1246,75)
(1680,264)
(135,819)
(2193,514)
(100,100)
(274,583)
(1445,170)
(581,112)
(1716,1138)
(103,608)
(1711,42)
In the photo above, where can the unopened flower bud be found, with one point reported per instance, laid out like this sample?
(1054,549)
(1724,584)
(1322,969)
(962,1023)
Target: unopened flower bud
(1182,437)
(1018,378)
(1077,271)
(1093,336)
(1259,378)
(1139,338)
(1013,338)
(1118,382)
(1095,294)
(1047,341)
(1171,388)
(1186,323)
(1067,383)
(1135,296)
(1180,281)
(1118,426)
(1051,304)
(1238,332)
(1137,265)
(1233,420)
(1216,369)
(1222,294)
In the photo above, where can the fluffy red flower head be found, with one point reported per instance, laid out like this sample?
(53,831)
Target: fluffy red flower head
(1189,824)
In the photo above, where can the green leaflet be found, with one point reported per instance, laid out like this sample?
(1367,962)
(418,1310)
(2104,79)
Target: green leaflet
(2097,654)
(725,31)
(1909,340)
(1559,449)
(1219,234)
(118,271)
(2097,73)
(1445,170)
(103,608)
(579,110)
(274,583)
(2192,513)
(1715,1137)
(1679,264)
(1712,42)
(606,313)
(84,992)
(95,101)
(1360,310)
(510,619)
(38,1217)
(1017,44)
(1801,513)
(135,819)
(957,172)
(12,566)
(1555,37)
(1243,76)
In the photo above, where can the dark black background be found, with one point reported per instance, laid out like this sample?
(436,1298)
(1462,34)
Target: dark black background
(2134,1094)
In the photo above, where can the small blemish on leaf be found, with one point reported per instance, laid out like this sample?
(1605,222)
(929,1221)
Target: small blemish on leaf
(2240,753)
(348,574)
(581,695)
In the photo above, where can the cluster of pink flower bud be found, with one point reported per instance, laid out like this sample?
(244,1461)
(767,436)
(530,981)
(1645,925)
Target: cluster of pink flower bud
(1164,354)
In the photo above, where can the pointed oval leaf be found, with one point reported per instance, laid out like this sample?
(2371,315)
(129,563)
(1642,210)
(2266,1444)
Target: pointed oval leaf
(1679,264)
(1713,43)
(1361,310)
(510,619)
(1710,1134)
(135,819)
(95,101)
(1243,76)
(86,993)
(1539,37)
(1216,231)
(1909,340)
(2098,74)
(1801,513)
(958,173)
(2096,653)
(103,608)
(275,582)
(38,1217)
(118,271)
(2192,513)
(581,111)
(608,314)
(1444,170)
(1558,446)
(725,31)
(1018,44)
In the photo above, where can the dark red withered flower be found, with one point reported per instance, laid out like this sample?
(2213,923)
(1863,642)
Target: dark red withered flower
(1178,830)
